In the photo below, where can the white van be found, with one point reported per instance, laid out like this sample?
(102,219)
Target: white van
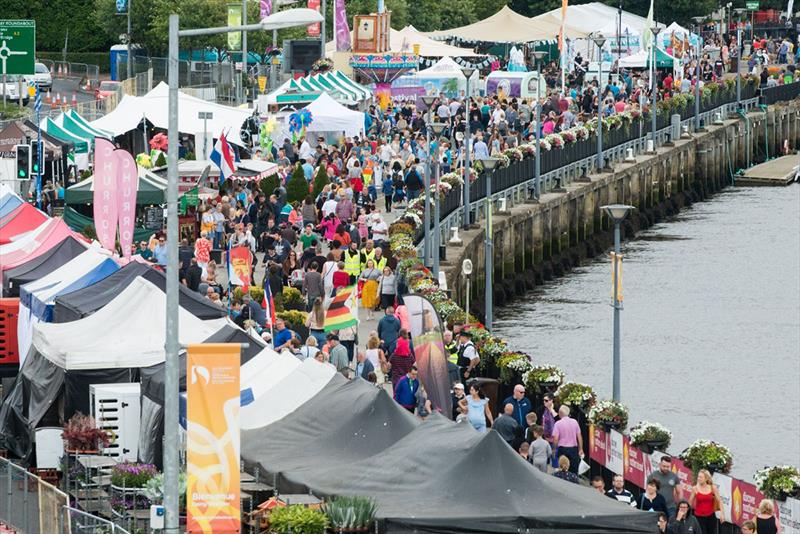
(508,84)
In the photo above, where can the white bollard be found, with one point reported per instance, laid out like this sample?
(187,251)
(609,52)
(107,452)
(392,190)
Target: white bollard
(650,146)
(442,280)
(503,205)
(718,119)
(454,239)
(629,158)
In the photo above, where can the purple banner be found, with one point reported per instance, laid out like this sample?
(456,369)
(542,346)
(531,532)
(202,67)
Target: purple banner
(412,94)
(342,28)
(266,8)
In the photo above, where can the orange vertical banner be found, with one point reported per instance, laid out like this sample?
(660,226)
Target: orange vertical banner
(212,441)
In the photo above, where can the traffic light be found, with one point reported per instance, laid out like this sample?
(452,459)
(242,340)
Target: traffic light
(23,162)
(35,157)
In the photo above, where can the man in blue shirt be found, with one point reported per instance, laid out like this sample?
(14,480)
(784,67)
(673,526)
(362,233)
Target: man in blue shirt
(363,366)
(283,336)
(406,391)
(388,329)
(160,252)
(521,404)
(479,149)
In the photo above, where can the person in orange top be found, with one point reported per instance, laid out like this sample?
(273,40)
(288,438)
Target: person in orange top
(202,251)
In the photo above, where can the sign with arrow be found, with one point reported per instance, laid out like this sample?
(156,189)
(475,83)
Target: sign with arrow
(17,46)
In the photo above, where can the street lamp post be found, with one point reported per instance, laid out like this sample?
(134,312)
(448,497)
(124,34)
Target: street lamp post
(467,72)
(654,86)
(738,68)
(489,165)
(537,168)
(171,345)
(426,245)
(205,116)
(617,212)
(437,128)
(697,92)
(600,40)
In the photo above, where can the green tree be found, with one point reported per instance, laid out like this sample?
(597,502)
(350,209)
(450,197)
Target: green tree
(297,187)
(487,8)
(320,180)
(269,184)
(57,20)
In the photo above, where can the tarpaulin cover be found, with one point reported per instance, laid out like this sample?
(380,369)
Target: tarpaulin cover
(8,202)
(78,222)
(431,476)
(34,244)
(41,266)
(79,304)
(263,371)
(127,332)
(23,219)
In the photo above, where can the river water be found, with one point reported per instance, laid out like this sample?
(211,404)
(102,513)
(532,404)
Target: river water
(710,329)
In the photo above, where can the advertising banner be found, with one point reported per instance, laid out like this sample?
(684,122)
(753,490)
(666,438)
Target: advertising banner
(789,515)
(745,499)
(212,438)
(105,192)
(314,29)
(234,19)
(598,444)
(127,185)
(724,484)
(241,263)
(635,461)
(615,453)
(342,28)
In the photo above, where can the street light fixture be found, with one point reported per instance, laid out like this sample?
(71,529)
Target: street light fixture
(617,213)
(284,19)
(437,128)
(428,100)
(599,40)
(467,72)
(489,165)
(655,30)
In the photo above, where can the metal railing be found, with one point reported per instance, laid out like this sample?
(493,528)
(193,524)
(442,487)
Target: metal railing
(76,521)
(452,208)
(85,72)
(28,503)
(779,93)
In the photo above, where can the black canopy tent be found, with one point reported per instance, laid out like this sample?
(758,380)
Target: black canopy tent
(79,304)
(41,265)
(434,476)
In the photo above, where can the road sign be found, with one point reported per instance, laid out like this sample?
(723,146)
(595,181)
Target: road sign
(752,6)
(17,46)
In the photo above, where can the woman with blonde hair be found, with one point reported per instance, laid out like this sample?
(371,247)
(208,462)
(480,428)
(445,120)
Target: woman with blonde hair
(315,322)
(766,522)
(369,292)
(377,357)
(705,500)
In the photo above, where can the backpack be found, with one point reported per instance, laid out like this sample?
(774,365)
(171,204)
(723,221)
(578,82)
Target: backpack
(296,278)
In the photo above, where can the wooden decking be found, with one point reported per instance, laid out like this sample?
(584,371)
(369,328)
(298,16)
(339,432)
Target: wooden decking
(777,172)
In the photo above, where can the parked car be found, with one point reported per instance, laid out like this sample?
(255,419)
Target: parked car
(42,77)
(12,89)
(107,88)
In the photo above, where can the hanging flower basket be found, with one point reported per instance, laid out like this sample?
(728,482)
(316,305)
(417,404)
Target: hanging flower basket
(650,437)
(575,394)
(706,454)
(543,378)
(778,482)
(609,414)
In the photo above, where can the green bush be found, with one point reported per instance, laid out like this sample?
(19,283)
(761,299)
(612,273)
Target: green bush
(293,318)
(297,519)
(292,297)
(269,184)
(256,293)
(320,180)
(297,187)
(350,512)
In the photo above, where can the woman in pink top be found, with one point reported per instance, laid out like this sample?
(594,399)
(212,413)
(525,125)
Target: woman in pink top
(202,251)
(619,106)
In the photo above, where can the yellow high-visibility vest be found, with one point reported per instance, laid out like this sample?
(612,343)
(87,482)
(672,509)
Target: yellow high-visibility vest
(352,264)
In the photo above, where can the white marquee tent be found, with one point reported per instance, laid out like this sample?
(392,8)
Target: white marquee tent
(405,39)
(128,332)
(328,116)
(444,76)
(154,106)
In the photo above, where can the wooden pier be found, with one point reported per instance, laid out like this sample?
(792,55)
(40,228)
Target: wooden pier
(777,172)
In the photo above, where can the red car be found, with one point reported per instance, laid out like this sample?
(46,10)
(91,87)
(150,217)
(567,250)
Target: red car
(107,88)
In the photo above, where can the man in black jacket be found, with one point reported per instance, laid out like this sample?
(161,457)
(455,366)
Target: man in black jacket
(413,181)
(192,275)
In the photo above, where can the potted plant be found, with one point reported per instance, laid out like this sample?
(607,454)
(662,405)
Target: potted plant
(512,365)
(609,414)
(82,435)
(706,454)
(297,519)
(575,394)
(350,514)
(542,378)
(154,491)
(778,482)
(295,320)
(132,474)
(293,299)
(650,437)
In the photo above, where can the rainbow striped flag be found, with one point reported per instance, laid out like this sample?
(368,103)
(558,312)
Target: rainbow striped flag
(338,315)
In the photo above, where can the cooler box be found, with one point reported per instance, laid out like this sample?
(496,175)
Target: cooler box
(9,347)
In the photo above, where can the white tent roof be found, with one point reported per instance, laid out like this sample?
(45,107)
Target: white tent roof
(284,395)
(154,106)
(677,29)
(265,370)
(405,39)
(595,17)
(327,116)
(5,191)
(446,68)
(127,332)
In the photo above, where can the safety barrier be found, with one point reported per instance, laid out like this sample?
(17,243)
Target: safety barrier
(28,503)
(779,93)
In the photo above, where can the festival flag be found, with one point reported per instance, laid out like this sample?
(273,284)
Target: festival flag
(222,156)
(266,8)
(239,262)
(269,305)
(342,28)
(105,193)
(563,21)
(338,315)
(127,185)
(647,35)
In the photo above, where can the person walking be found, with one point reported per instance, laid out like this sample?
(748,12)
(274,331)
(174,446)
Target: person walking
(405,389)
(651,500)
(766,522)
(668,484)
(387,288)
(567,438)
(476,405)
(685,522)
(564,471)
(549,416)
(313,285)
(706,500)
(619,493)
(369,291)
